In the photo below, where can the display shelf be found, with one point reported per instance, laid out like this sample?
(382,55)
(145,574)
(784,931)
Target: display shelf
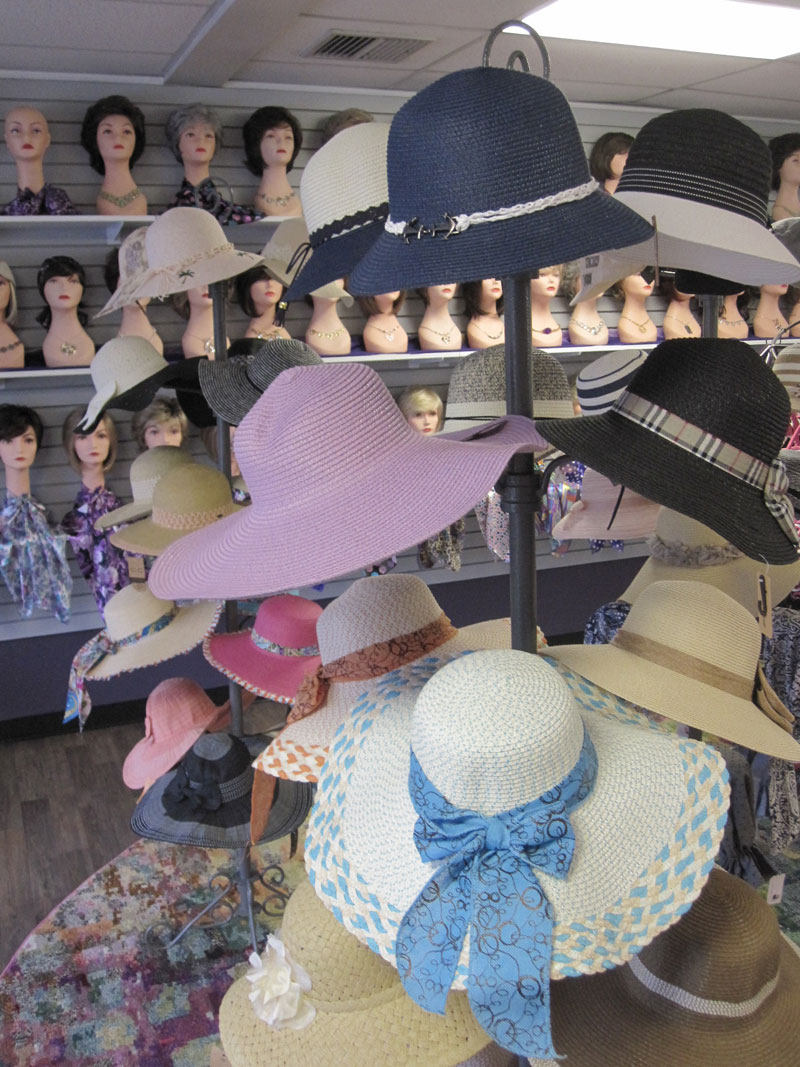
(58,230)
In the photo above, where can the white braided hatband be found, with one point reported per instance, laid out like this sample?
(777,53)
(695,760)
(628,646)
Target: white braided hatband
(721,1009)
(463,222)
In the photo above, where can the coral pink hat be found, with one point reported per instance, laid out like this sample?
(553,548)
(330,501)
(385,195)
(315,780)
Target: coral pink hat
(178,711)
(271,658)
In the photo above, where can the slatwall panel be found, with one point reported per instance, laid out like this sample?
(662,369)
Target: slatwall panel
(25,243)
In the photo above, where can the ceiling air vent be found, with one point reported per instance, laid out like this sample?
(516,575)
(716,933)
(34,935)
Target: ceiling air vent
(365,47)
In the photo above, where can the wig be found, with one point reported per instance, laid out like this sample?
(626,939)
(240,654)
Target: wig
(416,399)
(15,420)
(162,409)
(242,283)
(781,148)
(11,310)
(423,293)
(111,105)
(267,118)
(59,267)
(190,115)
(603,151)
(369,305)
(69,433)
(342,120)
(472,293)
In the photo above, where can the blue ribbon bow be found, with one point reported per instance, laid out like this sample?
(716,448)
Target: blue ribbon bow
(486,880)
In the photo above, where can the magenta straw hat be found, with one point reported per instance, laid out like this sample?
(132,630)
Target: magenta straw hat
(332,493)
(272,658)
(178,711)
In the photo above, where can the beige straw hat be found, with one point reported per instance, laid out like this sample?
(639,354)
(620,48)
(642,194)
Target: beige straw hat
(495,730)
(722,986)
(186,498)
(145,472)
(602,514)
(683,549)
(132,259)
(377,622)
(787,369)
(691,653)
(362,1016)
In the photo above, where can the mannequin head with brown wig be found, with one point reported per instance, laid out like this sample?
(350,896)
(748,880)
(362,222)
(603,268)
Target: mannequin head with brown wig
(106,108)
(607,158)
(255,130)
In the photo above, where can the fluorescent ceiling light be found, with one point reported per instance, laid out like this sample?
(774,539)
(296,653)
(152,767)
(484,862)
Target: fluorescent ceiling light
(715,27)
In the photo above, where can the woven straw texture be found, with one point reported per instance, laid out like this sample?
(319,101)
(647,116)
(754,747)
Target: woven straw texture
(721,386)
(477,388)
(144,473)
(645,838)
(436,167)
(132,609)
(599,384)
(736,577)
(701,639)
(787,370)
(378,484)
(591,516)
(300,750)
(363,1015)
(726,948)
(344,178)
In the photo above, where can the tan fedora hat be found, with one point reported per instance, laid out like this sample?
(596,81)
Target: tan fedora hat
(347,1003)
(689,652)
(683,549)
(145,473)
(186,498)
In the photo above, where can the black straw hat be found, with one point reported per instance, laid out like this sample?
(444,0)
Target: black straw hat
(699,430)
(205,799)
(488,176)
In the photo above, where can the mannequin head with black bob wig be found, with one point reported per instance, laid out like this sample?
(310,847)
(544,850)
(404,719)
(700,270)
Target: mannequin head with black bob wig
(111,105)
(15,419)
(21,433)
(607,158)
(257,125)
(59,267)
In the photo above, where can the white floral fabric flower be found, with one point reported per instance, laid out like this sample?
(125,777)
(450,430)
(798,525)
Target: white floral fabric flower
(279,988)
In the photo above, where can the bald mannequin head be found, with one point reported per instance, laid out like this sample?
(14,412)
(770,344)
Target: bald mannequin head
(27,134)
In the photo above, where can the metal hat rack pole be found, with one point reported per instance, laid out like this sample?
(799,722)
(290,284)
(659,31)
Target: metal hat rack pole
(521,483)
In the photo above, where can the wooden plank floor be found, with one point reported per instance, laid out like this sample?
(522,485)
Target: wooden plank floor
(65,813)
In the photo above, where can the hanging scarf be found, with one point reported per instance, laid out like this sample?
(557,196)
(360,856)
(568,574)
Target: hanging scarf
(487,883)
(93,652)
(33,559)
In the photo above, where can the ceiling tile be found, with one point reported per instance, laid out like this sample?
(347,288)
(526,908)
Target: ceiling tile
(776,79)
(144,63)
(741,105)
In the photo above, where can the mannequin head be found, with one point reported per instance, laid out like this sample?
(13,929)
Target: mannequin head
(8,294)
(256,290)
(21,433)
(61,282)
(193,133)
(785,152)
(27,134)
(382,303)
(482,297)
(634,285)
(608,156)
(437,295)
(162,422)
(342,120)
(774,290)
(423,409)
(192,300)
(272,135)
(111,122)
(547,284)
(89,451)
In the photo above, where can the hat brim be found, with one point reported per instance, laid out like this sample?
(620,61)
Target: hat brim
(182,634)
(658,470)
(334,259)
(513,246)
(291,804)
(195,408)
(646,836)
(611,1018)
(149,538)
(227,389)
(217,268)
(697,237)
(136,397)
(127,513)
(300,750)
(591,522)
(679,697)
(466,414)
(443,477)
(150,758)
(264,673)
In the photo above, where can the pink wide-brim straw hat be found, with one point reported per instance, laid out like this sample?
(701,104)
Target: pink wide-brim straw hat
(178,711)
(272,658)
(590,517)
(332,492)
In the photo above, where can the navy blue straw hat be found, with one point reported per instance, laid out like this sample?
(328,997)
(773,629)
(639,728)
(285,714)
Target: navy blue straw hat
(345,204)
(487,176)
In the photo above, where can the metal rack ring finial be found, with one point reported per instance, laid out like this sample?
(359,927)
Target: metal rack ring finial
(517,56)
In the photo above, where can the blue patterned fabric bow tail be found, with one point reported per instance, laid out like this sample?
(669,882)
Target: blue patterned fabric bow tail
(79,702)
(486,883)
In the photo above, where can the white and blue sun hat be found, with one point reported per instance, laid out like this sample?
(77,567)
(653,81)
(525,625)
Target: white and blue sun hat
(494,735)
